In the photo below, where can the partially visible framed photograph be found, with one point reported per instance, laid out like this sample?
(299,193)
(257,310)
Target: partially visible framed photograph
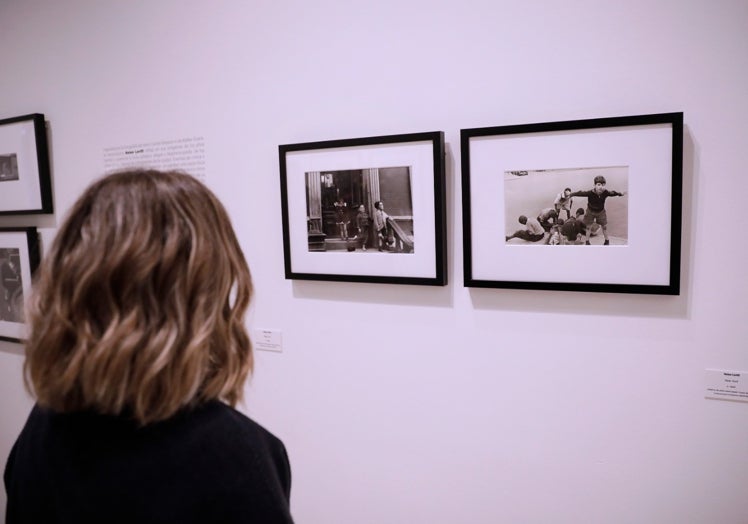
(365,209)
(25,186)
(19,257)
(581,205)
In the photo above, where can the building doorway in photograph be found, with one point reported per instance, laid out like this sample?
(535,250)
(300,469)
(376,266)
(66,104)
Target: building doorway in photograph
(347,189)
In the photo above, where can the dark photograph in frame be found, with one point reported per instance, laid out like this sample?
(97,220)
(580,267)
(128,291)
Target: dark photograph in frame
(581,205)
(354,218)
(25,184)
(9,167)
(365,209)
(19,258)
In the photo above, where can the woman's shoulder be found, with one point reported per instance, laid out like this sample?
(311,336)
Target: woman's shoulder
(229,441)
(224,424)
(232,418)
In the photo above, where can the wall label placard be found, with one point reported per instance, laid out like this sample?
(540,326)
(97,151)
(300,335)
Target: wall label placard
(726,385)
(183,154)
(268,340)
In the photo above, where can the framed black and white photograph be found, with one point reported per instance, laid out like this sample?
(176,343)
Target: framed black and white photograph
(19,256)
(25,186)
(582,205)
(365,209)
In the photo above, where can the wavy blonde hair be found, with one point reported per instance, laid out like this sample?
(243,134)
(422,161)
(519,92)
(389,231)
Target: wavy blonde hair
(138,308)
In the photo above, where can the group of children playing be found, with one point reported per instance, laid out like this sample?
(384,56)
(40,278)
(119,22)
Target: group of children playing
(583,224)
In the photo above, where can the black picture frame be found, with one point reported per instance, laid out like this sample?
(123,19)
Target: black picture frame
(321,184)
(25,184)
(19,258)
(519,170)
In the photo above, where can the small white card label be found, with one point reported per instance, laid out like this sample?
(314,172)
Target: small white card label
(268,340)
(727,385)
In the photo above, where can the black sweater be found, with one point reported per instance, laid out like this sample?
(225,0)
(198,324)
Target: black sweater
(210,464)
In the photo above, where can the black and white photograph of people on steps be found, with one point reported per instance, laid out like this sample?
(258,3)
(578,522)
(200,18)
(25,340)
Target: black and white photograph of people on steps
(360,210)
(585,206)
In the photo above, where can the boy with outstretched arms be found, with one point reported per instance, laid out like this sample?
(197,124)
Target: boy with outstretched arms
(595,212)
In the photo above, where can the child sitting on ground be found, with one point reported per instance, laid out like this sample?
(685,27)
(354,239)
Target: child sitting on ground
(555,238)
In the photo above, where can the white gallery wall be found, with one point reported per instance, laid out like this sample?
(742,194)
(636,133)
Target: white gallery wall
(404,404)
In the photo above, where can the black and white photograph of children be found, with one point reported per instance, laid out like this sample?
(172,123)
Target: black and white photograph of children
(11,294)
(583,206)
(366,210)
(8,167)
